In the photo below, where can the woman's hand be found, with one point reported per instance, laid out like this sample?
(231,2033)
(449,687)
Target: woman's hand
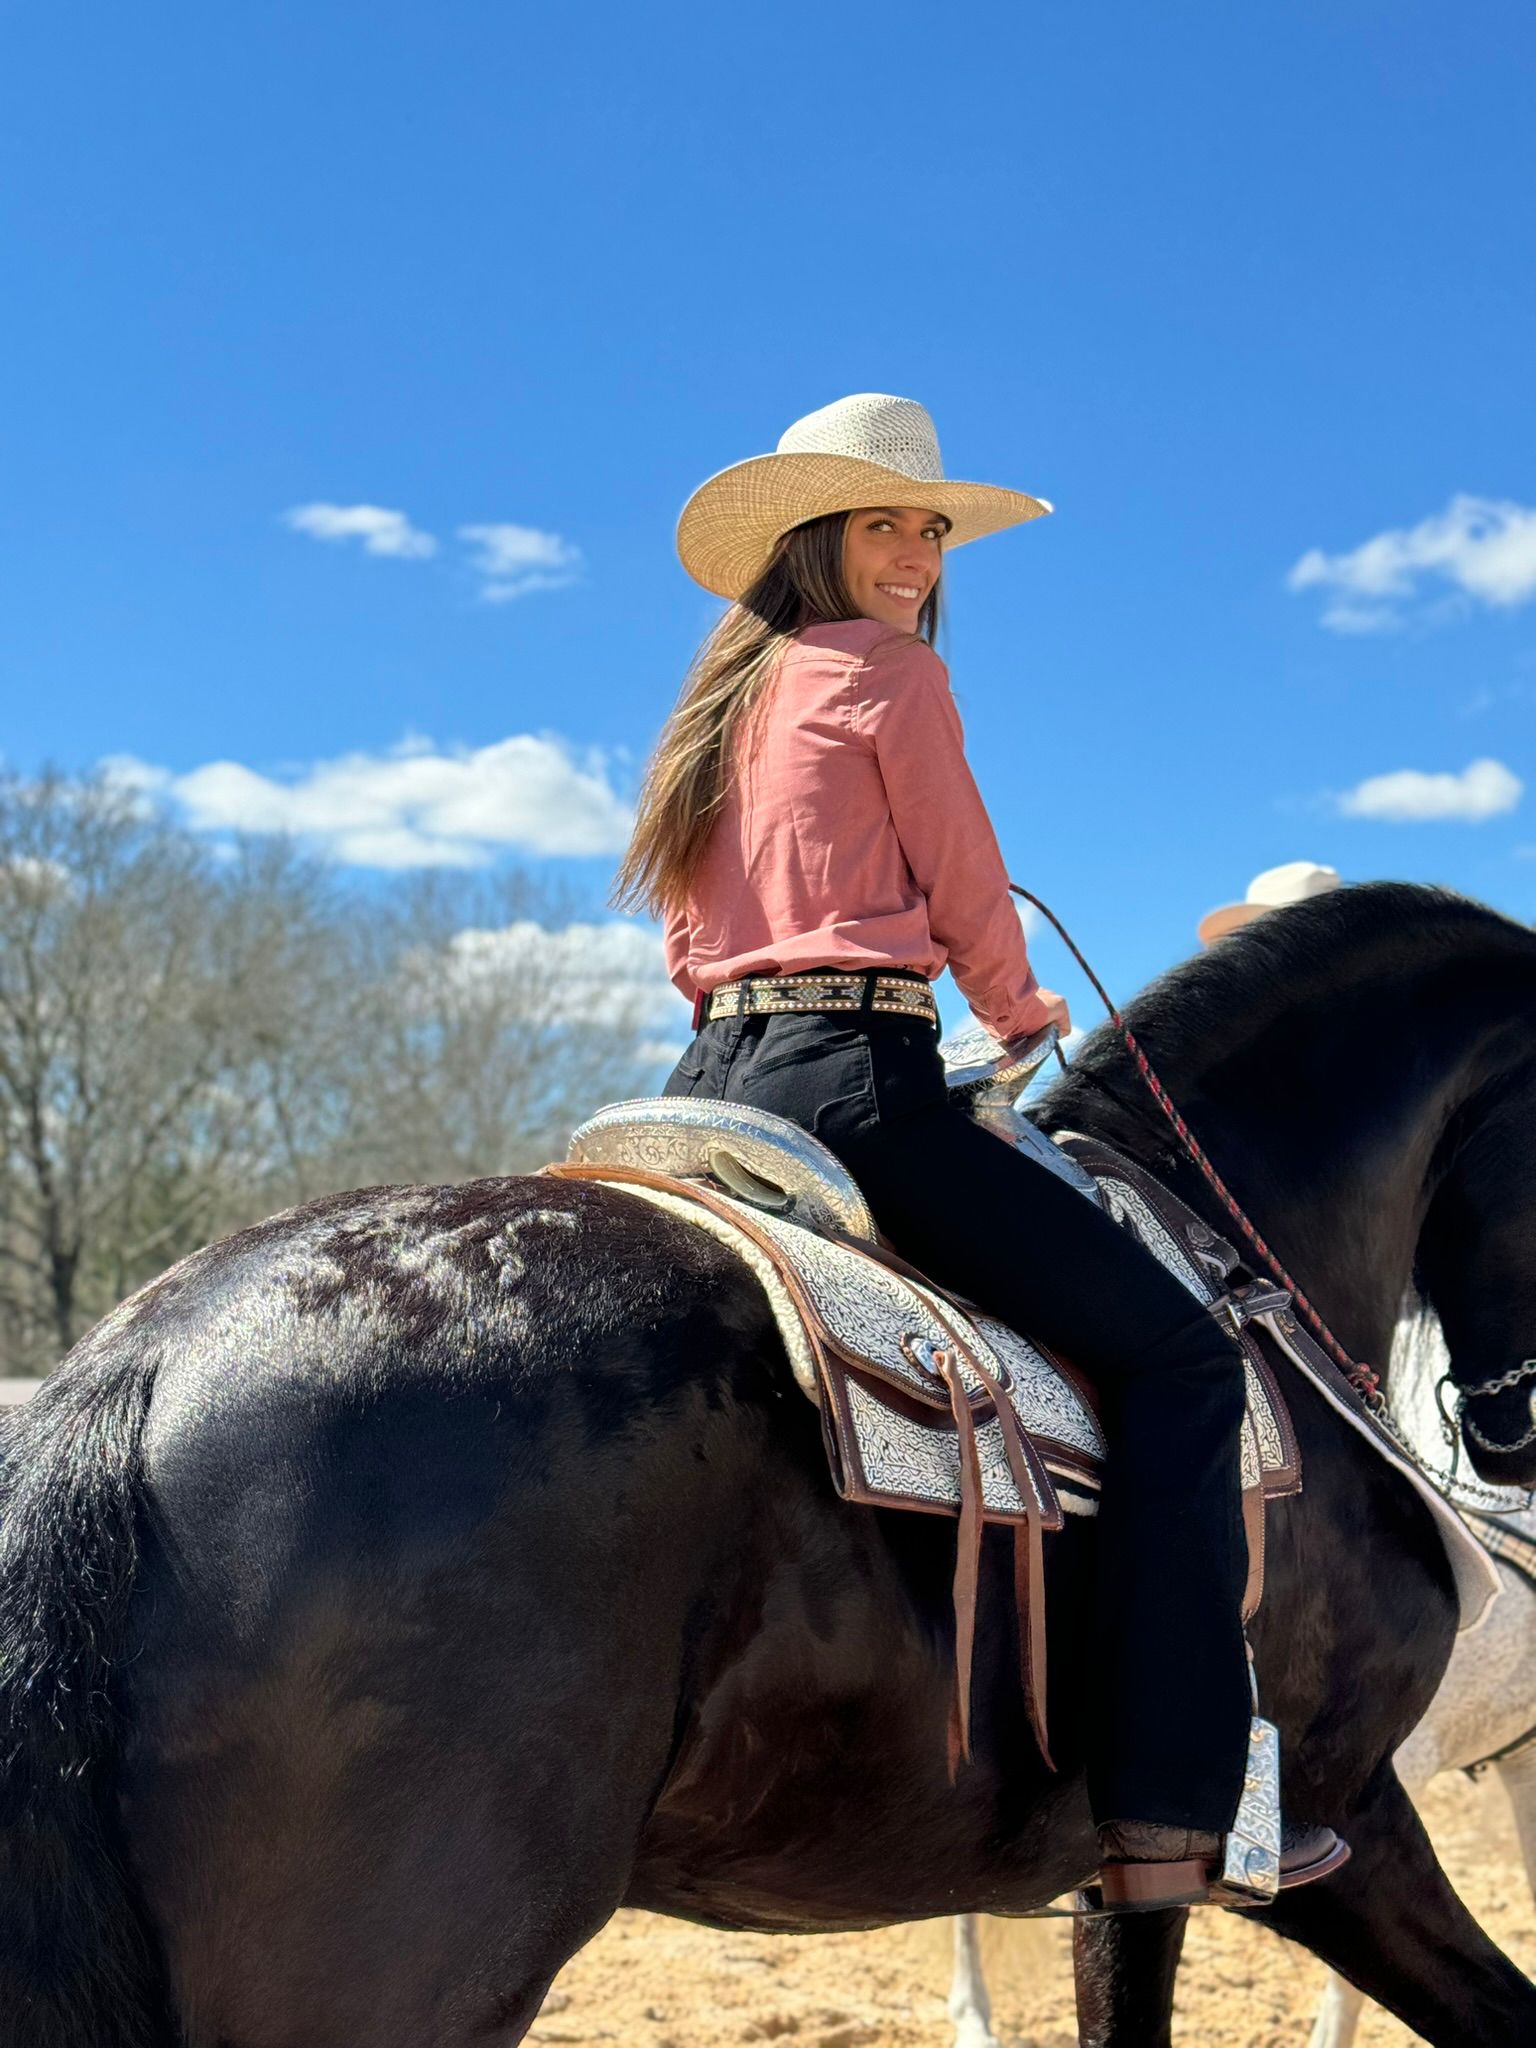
(1056,1009)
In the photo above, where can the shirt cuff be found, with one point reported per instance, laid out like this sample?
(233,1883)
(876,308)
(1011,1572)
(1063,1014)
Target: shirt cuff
(1029,1020)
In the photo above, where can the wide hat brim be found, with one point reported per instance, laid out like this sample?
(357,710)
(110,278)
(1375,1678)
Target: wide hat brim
(1230,917)
(731,523)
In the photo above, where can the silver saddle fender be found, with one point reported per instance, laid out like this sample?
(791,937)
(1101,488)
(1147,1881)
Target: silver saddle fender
(775,1165)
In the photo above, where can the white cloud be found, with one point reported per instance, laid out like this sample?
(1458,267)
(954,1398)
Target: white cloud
(1483,789)
(1484,548)
(580,970)
(416,806)
(1344,617)
(511,561)
(127,772)
(515,560)
(381,531)
(38,878)
(137,785)
(663,1052)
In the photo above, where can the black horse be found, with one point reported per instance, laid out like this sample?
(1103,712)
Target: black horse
(394,1589)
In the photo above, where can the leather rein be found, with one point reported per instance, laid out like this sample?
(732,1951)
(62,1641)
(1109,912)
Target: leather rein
(1365,1381)
(1363,1378)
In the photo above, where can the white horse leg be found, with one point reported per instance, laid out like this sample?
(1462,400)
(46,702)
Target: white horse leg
(1338,2014)
(969,2006)
(1518,1777)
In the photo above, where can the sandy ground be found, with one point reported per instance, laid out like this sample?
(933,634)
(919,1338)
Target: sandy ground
(654,1983)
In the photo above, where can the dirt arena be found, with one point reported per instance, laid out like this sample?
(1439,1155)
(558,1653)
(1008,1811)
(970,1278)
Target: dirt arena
(652,1983)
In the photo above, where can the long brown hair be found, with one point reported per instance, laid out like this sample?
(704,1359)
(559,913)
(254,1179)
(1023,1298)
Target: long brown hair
(689,773)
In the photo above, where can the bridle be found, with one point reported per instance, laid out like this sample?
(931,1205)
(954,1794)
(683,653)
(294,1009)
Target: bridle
(1525,1370)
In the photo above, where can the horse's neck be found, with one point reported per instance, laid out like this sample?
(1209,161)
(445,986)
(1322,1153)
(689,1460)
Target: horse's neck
(1338,1190)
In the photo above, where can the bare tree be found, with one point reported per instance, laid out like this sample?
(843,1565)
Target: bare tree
(189,1041)
(129,991)
(495,1023)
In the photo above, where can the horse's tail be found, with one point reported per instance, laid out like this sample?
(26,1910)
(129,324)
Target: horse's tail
(79,1967)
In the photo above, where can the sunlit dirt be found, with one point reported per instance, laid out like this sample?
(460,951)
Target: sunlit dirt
(653,1983)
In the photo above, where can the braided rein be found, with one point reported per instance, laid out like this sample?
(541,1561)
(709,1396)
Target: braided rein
(1366,1382)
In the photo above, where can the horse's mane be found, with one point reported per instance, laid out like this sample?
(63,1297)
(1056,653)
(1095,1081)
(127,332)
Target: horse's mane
(1373,940)
(1337,1004)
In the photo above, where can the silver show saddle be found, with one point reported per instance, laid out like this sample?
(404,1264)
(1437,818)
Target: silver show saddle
(926,1402)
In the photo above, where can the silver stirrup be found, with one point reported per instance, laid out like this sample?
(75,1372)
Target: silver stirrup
(1251,1862)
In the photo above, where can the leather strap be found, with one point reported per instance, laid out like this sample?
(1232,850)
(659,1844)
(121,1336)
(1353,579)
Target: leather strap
(1146,1885)
(1034,1489)
(1253,1529)
(1031,1479)
(967,1580)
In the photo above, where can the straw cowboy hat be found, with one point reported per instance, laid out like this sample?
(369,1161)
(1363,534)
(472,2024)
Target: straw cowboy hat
(864,450)
(1273,890)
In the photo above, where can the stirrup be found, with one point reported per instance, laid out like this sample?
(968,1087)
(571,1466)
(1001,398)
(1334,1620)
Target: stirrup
(1254,1868)
(1333,1854)
(1249,1871)
(1256,1864)
(1144,1887)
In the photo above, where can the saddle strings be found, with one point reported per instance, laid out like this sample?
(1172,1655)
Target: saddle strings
(1366,1383)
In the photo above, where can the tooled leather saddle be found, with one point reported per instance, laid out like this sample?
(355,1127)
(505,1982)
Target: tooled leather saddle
(926,1402)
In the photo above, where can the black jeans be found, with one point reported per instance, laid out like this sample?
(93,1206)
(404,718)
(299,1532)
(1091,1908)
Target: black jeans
(1168,1739)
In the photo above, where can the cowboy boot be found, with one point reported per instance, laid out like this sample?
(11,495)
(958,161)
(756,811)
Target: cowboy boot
(1147,1866)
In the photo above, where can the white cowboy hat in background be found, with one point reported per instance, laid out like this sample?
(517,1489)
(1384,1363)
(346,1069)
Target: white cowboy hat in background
(1273,890)
(866,450)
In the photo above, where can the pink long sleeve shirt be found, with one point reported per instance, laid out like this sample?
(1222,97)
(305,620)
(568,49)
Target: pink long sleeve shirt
(853,835)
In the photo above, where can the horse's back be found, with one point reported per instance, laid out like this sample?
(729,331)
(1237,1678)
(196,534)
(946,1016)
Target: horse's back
(439,1485)
(372,1384)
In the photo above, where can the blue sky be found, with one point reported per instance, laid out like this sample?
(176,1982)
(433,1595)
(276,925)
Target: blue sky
(1247,291)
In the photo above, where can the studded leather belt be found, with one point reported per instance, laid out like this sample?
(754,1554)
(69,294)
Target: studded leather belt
(759,995)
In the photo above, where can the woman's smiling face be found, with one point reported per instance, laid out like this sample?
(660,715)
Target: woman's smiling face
(892,556)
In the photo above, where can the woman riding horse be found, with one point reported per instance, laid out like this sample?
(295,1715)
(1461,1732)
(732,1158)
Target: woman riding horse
(811,834)
(391,1591)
